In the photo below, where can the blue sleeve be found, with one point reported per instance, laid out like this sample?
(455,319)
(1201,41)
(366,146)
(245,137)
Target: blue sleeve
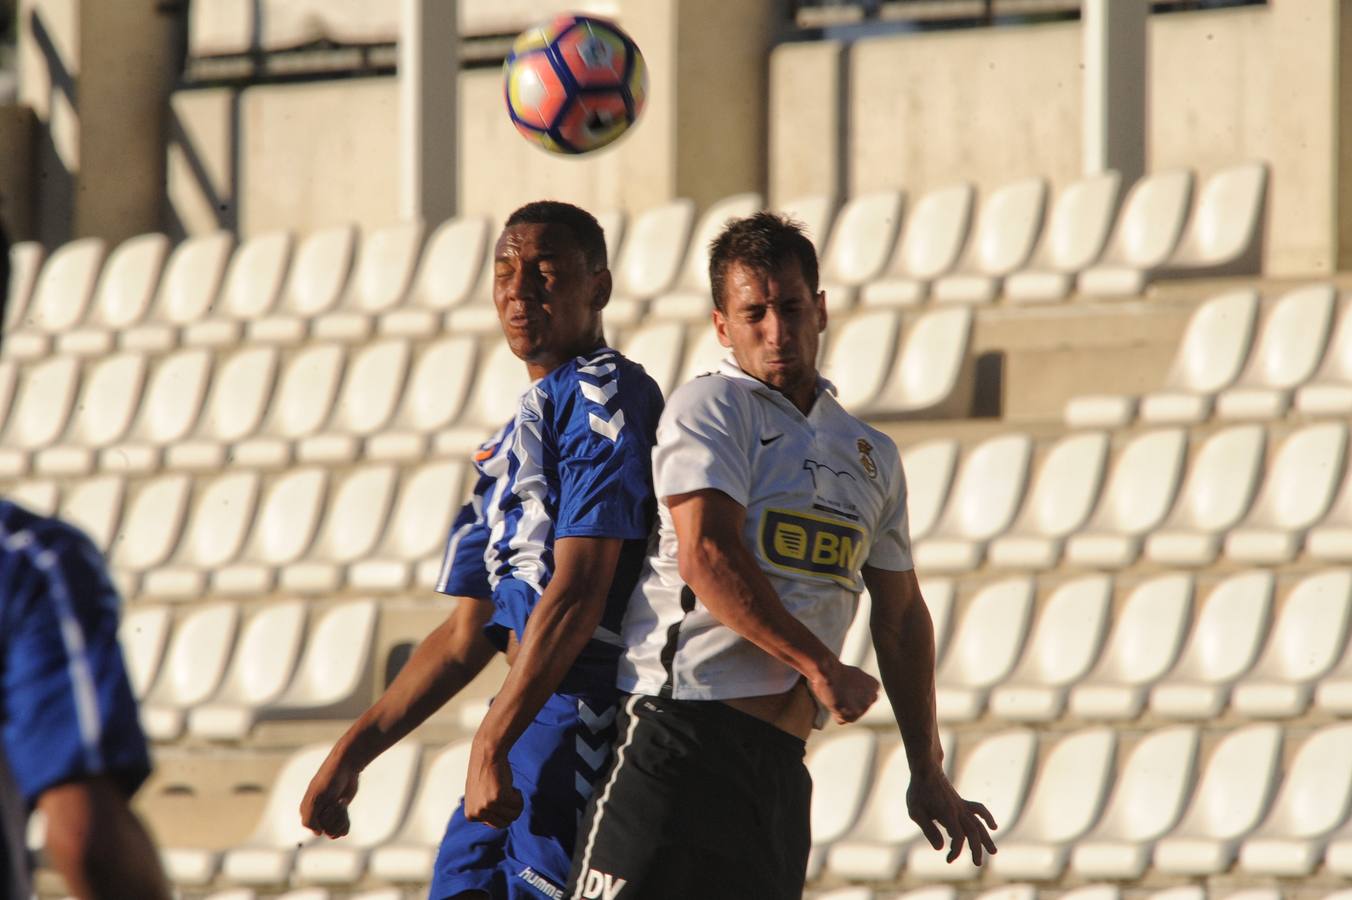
(605,455)
(463,571)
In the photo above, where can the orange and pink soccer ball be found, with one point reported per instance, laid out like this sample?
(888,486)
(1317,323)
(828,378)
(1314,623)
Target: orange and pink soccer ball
(574,84)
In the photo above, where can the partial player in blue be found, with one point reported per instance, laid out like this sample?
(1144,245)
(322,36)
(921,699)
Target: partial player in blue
(70,739)
(542,560)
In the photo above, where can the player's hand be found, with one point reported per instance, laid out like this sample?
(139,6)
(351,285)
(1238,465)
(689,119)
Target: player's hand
(323,810)
(489,795)
(846,691)
(932,798)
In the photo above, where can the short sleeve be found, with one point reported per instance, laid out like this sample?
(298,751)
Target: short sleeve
(463,570)
(704,441)
(892,544)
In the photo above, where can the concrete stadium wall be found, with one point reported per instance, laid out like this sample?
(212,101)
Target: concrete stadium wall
(18,131)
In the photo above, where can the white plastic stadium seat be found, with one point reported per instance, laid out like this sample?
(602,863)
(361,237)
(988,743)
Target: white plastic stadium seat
(1062,494)
(193,667)
(95,506)
(25,262)
(1006,231)
(932,376)
(1222,646)
(60,298)
(1009,892)
(1329,390)
(1141,488)
(939,596)
(1314,800)
(1287,352)
(861,243)
(110,394)
(499,382)
(152,524)
(143,634)
(1296,494)
(1213,349)
(432,398)
(416,530)
(984,649)
(875,847)
(1148,231)
(659,348)
(1225,233)
(261,665)
(318,275)
(39,495)
(306,395)
(1065,802)
(816,213)
(649,260)
(1146,802)
(841,767)
(125,290)
(1331,539)
(189,289)
(929,468)
(1064,644)
(452,262)
(1219,487)
(1310,634)
(381,280)
(170,405)
(253,284)
(860,355)
(1147,636)
(1338,853)
(1076,233)
(409,855)
(935,233)
(333,677)
(1230,799)
(703,353)
(222,511)
(690,298)
(353,521)
(288,518)
(373,381)
(41,407)
(989,487)
(998,771)
(241,391)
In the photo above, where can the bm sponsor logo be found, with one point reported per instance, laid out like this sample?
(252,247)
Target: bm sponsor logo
(813,545)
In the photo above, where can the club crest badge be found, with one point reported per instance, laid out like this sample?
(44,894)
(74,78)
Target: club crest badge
(866,458)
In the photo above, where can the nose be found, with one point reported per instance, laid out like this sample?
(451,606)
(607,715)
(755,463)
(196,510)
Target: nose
(777,332)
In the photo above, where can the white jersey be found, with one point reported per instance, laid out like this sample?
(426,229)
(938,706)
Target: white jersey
(824,495)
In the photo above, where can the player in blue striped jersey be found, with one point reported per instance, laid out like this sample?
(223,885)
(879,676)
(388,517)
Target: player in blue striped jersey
(70,742)
(542,558)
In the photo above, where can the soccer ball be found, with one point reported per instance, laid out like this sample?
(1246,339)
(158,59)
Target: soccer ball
(574,84)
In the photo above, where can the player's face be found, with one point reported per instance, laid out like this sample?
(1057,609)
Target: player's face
(773,322)
(548,298)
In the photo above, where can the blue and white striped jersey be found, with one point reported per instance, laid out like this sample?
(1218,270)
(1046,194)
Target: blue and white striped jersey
(575,461)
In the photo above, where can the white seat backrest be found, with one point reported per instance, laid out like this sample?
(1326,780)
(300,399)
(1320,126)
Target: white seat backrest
(143,632)
(320,271)
(1302,478)
(334,651)
(1007,226)
(1070,630)
(1149,631)
(280,826)
(991,635)
(438,384)
(613,223)
(198,654)
(932,354)
(658,347)
(428,499)
(1152,218)
(863,238)
(9,378)
(95,506)
(1080,221)
(703,353)
(152,523)
(1230,628)
(173,397)
(815,213)
(840,767)
(1317,789)
(1293,338)
(695,272)
(356,515)
(929,472)
(989,486)
(654,249)
(1337,365)
(1071,786)
(65,286)
(25,262)
(939,594)
(1228,209)
(1066,484)
(442,785)
(43,402)
(240,393)
(253,283)
(1311,632)
(935,232)
(222,513)
(498,387)
(192,278)
(265,657)
(1234,787)
(1223,478)
(1154,784)
(289,515)
(371,386)
(1011,891)
(108,400)
(454,260)
(860,355)
(1143,482)
(387,784)
(385,267)
(127,285)
(1215,343)
(1093,892)
(307,390)
(998,771)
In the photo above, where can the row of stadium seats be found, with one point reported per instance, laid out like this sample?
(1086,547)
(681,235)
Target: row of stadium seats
(192,409)
(1030,892)
(1180,803)
(1230,366)
(334,286)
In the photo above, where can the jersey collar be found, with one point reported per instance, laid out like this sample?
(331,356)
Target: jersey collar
(728,367)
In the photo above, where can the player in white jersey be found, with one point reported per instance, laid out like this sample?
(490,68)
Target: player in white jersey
(777,507)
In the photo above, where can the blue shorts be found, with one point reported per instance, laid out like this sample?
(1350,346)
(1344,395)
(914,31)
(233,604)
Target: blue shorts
(553,765)
(66,706)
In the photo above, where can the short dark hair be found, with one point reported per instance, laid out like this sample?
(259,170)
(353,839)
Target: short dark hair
(588,232)
(763,241)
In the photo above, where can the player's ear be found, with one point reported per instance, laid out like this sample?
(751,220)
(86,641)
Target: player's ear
(721,327)
(820,300)
(601,295)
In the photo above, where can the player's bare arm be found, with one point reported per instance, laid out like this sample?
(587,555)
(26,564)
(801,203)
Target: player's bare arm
(561,624)
(440,667)
(97,843)
(718,566)
(903,636)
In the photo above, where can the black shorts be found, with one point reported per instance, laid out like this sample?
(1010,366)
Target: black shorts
(701,801)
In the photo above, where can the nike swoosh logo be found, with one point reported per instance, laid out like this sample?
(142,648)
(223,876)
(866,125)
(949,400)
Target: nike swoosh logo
(765,442)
